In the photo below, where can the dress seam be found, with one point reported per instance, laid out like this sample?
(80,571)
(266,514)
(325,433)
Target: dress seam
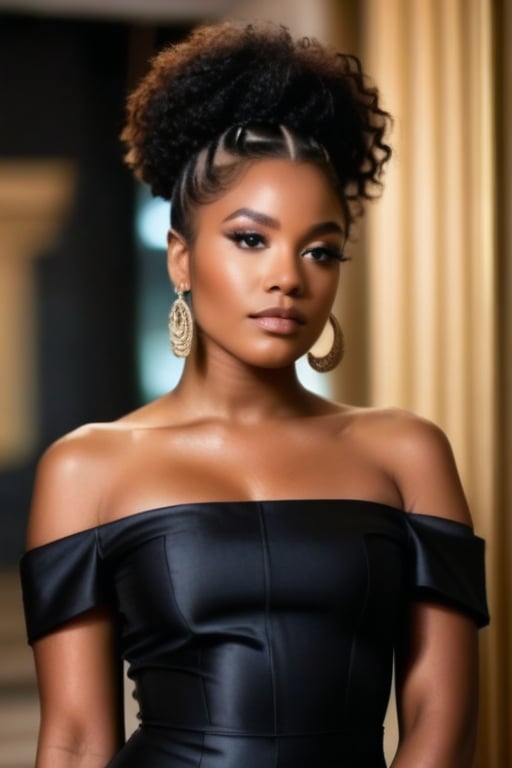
(206,731)
(268,632)
(357,628)
(202,751)
(172,591)
(99,547)
(203,688)
(186,624)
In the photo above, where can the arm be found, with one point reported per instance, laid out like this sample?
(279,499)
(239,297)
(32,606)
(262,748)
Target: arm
(76,665)
(79,694)
(437,663)
(437,690)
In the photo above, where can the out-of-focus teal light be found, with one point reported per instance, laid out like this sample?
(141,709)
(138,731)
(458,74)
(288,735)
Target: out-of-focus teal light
(159,369)
(152,222)
(312,380)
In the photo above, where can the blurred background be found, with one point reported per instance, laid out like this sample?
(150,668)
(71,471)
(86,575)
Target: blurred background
(425,303)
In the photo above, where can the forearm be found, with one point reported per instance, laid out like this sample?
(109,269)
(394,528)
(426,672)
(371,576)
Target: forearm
(430,746)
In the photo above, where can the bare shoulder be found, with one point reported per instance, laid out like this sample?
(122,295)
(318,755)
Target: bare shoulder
(70,481)
(400,429)
(395,425)
(405,436)
(76,474)
(417,455)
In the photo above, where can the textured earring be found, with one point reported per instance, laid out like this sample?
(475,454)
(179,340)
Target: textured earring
(181,326)
(328,349)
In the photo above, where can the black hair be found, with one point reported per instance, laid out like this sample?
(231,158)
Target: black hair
(230,93)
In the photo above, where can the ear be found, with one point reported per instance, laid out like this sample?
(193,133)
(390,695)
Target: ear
(178,260)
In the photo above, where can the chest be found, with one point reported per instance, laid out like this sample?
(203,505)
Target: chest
(216,464)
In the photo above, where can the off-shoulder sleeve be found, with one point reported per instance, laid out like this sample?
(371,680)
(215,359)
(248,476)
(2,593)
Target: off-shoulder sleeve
(62,580)
(448,565)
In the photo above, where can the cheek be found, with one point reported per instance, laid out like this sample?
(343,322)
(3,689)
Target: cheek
(219,278)
(325,283)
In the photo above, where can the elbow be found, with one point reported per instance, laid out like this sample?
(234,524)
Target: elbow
(434,740)
(70,743)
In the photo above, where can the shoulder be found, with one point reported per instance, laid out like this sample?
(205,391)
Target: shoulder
(70,480)
(402,430)
(398,429)
(76,474)
(418,457)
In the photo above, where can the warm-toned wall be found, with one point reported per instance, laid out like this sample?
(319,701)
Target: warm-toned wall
(34,196)
(436,293)
(503,217)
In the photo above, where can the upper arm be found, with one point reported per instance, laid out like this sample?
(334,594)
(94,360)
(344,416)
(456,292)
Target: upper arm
(420,460)
(77,665)
(437,684)
(437,661)
(79,681)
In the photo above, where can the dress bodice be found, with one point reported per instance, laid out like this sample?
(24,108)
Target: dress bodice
(259,620)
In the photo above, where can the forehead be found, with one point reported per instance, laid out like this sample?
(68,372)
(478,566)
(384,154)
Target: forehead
(284,189)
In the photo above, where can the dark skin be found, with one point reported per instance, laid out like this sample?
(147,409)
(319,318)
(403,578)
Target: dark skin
(272,240)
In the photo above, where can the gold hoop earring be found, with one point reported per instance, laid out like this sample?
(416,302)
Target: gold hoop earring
(327,351)
(181,326)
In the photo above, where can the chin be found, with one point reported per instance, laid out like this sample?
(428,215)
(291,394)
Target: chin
(273,364)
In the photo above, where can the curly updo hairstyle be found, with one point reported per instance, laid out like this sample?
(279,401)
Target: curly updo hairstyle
(232,93)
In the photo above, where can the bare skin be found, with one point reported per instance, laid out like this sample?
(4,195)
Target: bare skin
(240,426)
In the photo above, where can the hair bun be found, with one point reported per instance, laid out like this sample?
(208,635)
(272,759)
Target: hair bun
(228,74)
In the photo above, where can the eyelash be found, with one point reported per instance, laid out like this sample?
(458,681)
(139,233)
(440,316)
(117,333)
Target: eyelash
(240,238)
(243,239)
(331,252)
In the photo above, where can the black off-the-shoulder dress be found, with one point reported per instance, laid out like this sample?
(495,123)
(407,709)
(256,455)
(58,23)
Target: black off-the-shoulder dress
(258,634)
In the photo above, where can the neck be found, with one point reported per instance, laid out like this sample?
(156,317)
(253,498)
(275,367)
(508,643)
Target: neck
(224,388)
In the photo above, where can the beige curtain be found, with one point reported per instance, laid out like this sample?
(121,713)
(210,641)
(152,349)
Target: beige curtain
(432,261)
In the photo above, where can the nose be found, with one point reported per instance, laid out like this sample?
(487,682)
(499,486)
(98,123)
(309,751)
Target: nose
(284,273)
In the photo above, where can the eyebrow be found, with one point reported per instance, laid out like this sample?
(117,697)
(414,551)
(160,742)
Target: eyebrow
(324,227)
(261,218)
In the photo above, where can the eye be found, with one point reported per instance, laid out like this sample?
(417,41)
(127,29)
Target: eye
(247,240)
(324,253)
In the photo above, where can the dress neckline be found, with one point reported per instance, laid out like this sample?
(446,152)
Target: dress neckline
(248,502)
(135,517)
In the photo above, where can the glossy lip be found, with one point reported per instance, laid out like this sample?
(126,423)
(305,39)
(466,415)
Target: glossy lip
(279,320)
(281,312)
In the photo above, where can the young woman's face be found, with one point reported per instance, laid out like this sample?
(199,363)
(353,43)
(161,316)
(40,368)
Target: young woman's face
(263,269)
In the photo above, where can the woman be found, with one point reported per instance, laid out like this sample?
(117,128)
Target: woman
(256,553)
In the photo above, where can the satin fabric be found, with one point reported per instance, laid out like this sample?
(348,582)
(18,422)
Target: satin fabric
(258,633)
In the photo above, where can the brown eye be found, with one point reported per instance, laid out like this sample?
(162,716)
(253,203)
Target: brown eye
(324,253)
(248,240)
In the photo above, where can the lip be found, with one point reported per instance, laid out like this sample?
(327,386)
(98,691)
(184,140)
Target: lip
(279,320)
(289,313)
